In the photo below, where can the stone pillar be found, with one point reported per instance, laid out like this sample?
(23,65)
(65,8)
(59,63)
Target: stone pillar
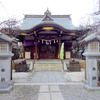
(5,73)
(5,63)
(91,71)
(92,54)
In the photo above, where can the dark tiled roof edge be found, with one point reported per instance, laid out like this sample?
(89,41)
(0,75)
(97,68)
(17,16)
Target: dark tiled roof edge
(60,16)
(41,16)
(34,16)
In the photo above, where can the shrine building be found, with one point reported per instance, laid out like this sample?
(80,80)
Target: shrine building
(43,35)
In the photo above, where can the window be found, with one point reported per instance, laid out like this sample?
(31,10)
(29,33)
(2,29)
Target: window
(94,46)
(3,47)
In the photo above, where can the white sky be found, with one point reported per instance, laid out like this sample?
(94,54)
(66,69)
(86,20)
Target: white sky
(16,8)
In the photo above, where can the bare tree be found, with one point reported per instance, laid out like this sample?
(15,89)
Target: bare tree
(89,24)
(10,27)
(92,20)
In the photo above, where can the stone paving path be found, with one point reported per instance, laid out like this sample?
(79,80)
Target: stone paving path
(50,92)
(68,91)
(48,77)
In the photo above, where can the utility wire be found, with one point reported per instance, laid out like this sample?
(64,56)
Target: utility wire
(3,7)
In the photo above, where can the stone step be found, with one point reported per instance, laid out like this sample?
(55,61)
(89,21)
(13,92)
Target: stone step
(48,62)
(48,67)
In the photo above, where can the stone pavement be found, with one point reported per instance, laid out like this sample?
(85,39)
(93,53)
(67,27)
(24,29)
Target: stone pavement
(48,77)
(68,91)
(50,85)
(50,92)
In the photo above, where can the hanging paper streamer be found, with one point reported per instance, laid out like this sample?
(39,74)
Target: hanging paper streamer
(54,41)
(42,41)
(50,42)
(46,42)
(62,51)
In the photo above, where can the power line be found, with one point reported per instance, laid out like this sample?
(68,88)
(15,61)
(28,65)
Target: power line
(3,7)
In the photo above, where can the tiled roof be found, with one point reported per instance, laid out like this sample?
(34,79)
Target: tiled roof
(92,37)
(31,21)
(5,37)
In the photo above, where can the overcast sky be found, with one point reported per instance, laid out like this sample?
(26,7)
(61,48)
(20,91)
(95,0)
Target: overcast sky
(16,8)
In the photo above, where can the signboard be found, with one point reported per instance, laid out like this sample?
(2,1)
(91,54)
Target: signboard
(28,55)
(48,28)
(67,54)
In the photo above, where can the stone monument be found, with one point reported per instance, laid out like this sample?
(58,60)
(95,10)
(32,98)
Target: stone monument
(5,63)
(92,54)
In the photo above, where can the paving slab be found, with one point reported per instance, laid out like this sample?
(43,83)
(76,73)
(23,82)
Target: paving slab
(54,88)
(56,96)
(48,77)
(44,88)
(44,96)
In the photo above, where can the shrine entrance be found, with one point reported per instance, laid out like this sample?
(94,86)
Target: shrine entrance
(48,51)
(43,39)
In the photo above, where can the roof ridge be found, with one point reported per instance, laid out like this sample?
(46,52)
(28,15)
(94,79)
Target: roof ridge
(41,16)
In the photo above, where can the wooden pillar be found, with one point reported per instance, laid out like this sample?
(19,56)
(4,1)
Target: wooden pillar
(59,44)
(35,54)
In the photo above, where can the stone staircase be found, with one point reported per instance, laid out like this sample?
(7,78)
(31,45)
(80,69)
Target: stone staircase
(48,65)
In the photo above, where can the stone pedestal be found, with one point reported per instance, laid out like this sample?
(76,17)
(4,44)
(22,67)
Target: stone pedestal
(91,70)
(5,72)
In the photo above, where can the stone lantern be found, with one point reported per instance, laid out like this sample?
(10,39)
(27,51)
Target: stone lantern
(92,54)
(5,63)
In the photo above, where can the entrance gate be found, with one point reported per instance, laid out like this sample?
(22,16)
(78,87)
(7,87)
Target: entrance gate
(47,52)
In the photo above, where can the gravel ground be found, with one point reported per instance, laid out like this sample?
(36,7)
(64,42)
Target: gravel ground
(21,93)
(77,92)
